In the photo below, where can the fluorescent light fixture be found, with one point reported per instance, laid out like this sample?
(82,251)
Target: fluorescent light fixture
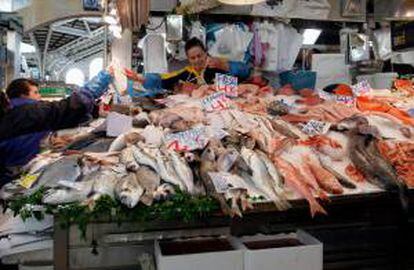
(241,2)
(310,36)
(27,48)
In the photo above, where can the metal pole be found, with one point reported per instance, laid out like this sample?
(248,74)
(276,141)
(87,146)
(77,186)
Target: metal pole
(105,60)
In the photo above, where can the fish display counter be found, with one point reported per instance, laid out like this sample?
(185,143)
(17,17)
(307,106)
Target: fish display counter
(250,159)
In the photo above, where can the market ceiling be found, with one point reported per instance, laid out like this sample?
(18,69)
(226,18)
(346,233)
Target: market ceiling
(51,37)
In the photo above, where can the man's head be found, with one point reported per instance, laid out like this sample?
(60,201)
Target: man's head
(23,88)
(196,53)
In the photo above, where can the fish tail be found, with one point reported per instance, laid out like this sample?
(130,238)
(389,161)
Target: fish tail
(403,195)
(315,208)
(235,210)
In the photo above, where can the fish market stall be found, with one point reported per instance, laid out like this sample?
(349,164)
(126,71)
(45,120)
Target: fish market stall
(206,163)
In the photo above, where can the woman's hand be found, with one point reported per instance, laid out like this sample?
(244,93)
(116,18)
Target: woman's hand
(217,63)
(132,75)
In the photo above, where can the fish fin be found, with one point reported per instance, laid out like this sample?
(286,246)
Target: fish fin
(323,195)
(147,199)
(315,208)
(235,210)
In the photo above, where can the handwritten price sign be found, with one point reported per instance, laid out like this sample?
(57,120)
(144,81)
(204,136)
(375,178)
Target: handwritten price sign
(227,84)
(216,102)
(189,140)
(314,127)
(361,89)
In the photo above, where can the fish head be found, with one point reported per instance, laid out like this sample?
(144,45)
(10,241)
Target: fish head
(129,196)
(208,154)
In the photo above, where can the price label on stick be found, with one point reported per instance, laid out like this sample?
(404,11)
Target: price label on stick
(361,89)
(227,84)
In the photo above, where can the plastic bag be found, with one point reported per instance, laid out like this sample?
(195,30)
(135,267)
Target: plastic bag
(198,31)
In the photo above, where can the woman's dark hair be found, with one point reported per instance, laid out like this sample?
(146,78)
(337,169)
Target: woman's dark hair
(20,87)
(4,103)
(194,42)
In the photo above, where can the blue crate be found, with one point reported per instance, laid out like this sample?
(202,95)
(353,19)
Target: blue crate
(298,79)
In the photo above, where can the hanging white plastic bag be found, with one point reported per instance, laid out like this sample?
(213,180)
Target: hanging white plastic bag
(198,31)
(383,38)
(232,43)
(155,55)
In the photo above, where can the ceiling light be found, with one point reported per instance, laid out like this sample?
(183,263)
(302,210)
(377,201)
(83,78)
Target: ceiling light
(241,2)
(310,36)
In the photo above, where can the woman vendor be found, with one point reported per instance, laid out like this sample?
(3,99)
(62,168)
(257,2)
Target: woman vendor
(201,70)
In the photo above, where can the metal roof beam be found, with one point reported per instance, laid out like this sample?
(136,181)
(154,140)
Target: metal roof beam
(71,31)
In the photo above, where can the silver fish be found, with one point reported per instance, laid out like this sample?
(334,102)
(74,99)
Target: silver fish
(128,190)
(127,158)
(143,158)
(74,192)
(165,168)
(150,181)
(104,183)
(65,169)
(183,171)
(263,179)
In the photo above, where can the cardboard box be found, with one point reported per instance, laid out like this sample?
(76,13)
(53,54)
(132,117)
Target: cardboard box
(293,251)
(204,253)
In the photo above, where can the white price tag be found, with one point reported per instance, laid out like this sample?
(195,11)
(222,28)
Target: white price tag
(117,124)
(226,83)
(361,89)
(195,138)
(215,102)
(314,127)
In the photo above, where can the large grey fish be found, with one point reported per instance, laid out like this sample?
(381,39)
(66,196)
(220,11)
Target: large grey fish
(128,190)
(150,181)
(367,158)
(65,169)
(208,164)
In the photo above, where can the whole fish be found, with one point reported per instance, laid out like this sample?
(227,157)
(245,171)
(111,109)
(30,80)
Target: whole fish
(226,160)
(149,181)
(278,185)
(326,180)
(65,169)
(208,164)
(367,159)
(127,158)
(143,158)
(263,179)
(183,171)
(122,140)
(294,179)
(104,183)
(74,192)
(40,162)
(343,180)
(165,168)
(128,190)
